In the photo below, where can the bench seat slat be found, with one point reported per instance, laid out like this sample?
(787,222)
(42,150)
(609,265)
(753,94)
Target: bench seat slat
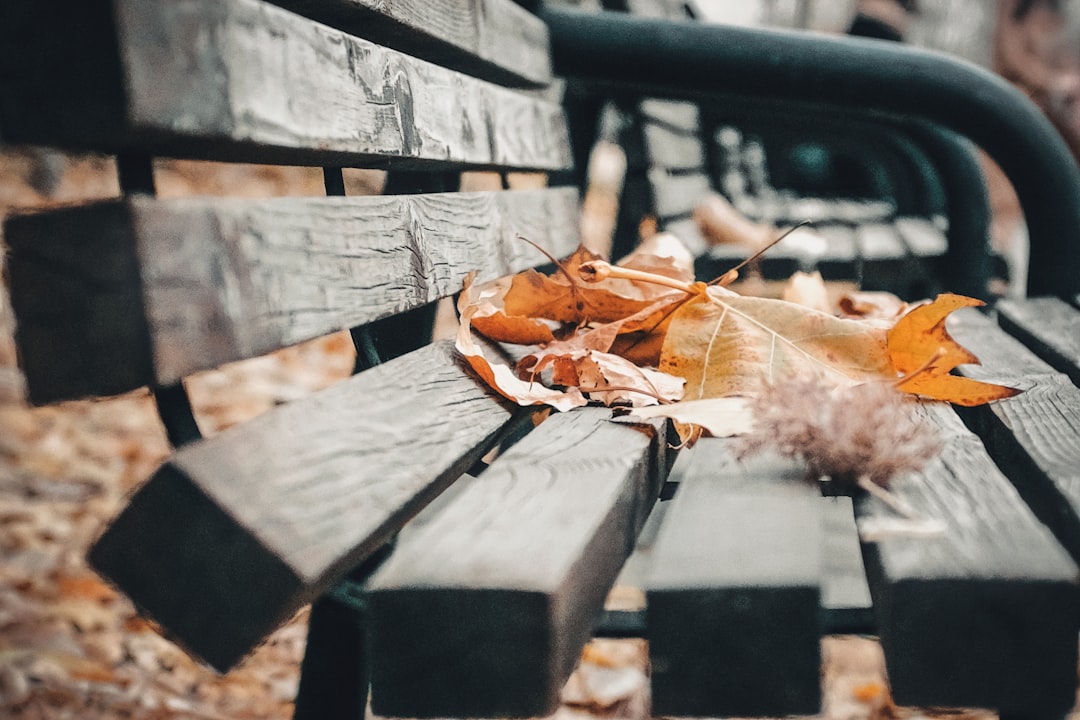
(845,595)
(983,615)
(483,612)
(734,590)
(677,115)
(261,85)
(1030,436)
(672,150)
(227,279)
(922,237)
(676,196)
(839,261)
(235,533)
(1050,327)
(494,39)
(879,242)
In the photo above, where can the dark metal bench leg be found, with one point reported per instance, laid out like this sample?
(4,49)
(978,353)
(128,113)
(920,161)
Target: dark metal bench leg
(334,675)
(174,409)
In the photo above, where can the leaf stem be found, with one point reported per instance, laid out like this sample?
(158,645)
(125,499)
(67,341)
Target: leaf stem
(625,388)
(733,274)
(599,270)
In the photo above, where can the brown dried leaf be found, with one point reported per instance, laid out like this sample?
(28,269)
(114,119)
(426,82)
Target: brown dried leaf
(922,349)
(727,344)
(592,371)
(503,380)
(524,309)
(808,290)
(872,305)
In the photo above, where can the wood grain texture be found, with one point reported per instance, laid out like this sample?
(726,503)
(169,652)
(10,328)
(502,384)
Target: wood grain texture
(734,591)
(1049,326)
(984,614)
(260,85)
(1033,437)
(483,613)
(226,279)
(235,533)
(494,39)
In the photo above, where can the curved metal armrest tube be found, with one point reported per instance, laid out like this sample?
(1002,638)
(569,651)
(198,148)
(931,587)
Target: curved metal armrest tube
(695,61)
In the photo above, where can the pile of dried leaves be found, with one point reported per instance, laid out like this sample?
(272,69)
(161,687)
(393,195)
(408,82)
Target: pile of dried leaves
(644,334)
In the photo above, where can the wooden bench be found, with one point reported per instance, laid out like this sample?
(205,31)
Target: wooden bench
(482,606)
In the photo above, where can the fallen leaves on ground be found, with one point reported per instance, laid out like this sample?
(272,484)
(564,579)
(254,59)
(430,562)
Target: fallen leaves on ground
(70,645)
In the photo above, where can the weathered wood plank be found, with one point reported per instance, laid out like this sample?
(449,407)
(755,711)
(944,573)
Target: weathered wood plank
(261,85)
(734,591)
(676,196)
(1049,326)
(1002,357)
(483,613)
(821,210)
(494,39)
(226,279)
(234,534)
(1032,437)
(922,237)
(984,614)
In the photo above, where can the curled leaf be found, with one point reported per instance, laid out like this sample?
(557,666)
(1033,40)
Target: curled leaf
(872,305)
(604,377)
(500,377)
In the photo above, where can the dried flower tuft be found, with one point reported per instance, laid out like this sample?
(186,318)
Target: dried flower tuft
(852,435)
